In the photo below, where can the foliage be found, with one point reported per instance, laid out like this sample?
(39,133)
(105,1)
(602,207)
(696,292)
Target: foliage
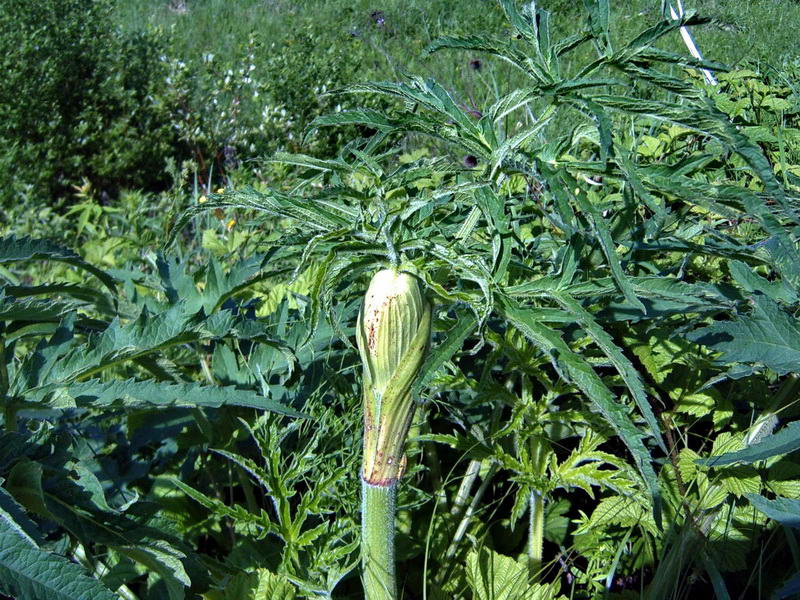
(78,100)
(609,405)
(126,348)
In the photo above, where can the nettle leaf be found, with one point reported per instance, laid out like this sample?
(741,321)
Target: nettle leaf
(731,536)
(627,511)
(768,336)
(556,521)
(492,576)
(29,573)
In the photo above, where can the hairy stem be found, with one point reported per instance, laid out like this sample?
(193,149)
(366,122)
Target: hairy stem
(535,534)
(377,541)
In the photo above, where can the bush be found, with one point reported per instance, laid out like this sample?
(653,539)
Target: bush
(261,96)
(77,99)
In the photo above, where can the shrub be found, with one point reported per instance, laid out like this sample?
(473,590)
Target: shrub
(77,99)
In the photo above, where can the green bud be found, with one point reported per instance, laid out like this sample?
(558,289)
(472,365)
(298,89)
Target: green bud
(392,312)
(394,328)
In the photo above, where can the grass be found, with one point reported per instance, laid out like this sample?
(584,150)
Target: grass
(761,30)
(372,41)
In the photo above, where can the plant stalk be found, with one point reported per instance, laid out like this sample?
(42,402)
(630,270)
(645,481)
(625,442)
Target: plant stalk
(377,540)
(535,534)
(473,506)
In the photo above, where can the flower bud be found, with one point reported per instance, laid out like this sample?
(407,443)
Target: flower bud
(394,328)
(392,312)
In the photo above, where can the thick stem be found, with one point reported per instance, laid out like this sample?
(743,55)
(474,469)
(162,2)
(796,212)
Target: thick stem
(535,534)
(377,541)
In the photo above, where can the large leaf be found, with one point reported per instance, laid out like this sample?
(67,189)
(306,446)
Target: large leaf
(581,373)
(451,344)
(493,576)
(768,336)
(29,573)
(143,394)
(783,442)
(615,354)
(14,249)
(784,510)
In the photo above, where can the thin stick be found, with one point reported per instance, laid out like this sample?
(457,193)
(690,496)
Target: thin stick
(687,39)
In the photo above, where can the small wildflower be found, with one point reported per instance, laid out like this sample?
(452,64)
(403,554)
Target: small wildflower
(378,17)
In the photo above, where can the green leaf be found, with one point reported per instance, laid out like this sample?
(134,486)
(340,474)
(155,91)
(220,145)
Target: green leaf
(14,249)
(144,394)
(13,512)
(165,560)
(451,343)
(744,275)
(259,585)
(620,361)
(29,573)
(769,336)
(783,442)
(583,375)
(493,576)
(784,510)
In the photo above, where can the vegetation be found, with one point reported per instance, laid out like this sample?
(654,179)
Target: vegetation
(586,368)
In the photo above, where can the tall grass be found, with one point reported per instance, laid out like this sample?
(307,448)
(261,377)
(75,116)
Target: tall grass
(760,30)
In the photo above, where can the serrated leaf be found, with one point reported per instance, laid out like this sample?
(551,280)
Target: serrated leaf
(451,344)
(493,576)
(620,361)
(29,573)
(141,394)
(165,560)
(20,249)
(769,336)
(585,378)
